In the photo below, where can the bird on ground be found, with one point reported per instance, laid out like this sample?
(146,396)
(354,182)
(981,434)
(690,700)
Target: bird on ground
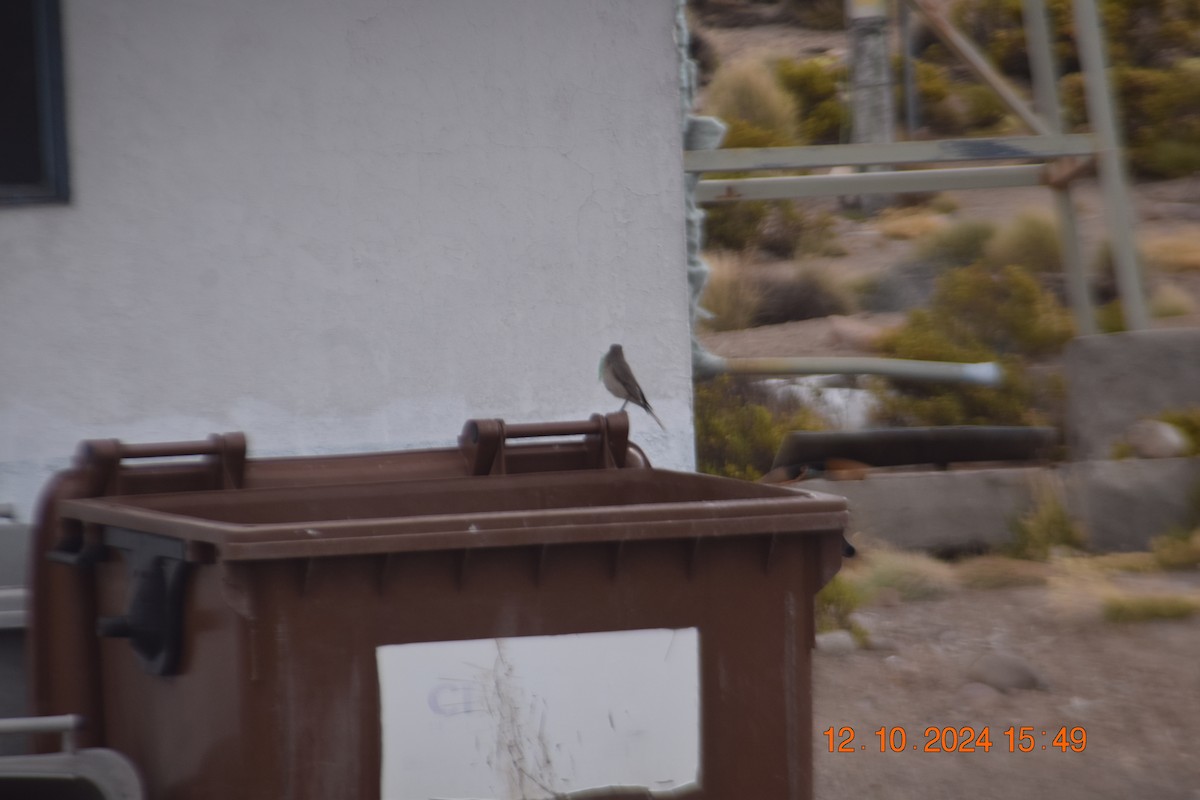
(618,379)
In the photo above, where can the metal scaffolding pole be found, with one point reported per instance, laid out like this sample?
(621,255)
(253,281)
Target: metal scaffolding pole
(872,115)
(1113,174)
(1045,87)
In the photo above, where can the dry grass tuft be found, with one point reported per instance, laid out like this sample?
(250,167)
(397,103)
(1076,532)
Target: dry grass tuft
(1177,551)
(911,576)
(747,90)
(1173,252)
(731,295)
(1123,562)
(1145,607)
(1047,524)
(997,572)
(1169,300)
(1031,241)
(910,223)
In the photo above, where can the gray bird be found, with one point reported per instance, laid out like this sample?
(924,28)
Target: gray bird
(618,379)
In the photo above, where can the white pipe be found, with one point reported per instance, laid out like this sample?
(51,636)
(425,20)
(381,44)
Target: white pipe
(987,373)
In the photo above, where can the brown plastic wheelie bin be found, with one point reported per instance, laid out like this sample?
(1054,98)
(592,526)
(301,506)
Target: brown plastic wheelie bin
(218,620)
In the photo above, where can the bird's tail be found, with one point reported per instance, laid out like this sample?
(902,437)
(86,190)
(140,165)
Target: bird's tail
(650,411)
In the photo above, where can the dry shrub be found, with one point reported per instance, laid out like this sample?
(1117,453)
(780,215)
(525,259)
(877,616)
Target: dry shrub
(1173,252)
(731,295)
(836,601)
(747,90)
(1187,420)
(808,294)
(1169,300)
(997,572)
(957,245)
(1046,525)
(734,226)
(1124,562)
(910,223)
(815,84)
(1031,241)
(912,576)
(820,15)
(1145,607)
(1177,550)
(740,425)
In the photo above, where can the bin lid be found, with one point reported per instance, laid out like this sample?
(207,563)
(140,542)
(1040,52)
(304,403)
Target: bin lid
(464,513)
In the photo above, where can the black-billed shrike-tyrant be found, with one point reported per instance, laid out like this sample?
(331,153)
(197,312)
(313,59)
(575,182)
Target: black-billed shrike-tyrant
(618,379)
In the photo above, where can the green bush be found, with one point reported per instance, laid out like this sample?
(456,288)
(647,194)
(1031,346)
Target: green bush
(836,601)
(809,81)
(956,245)
(1044,526)
(1141,608)
(819,15)
(1110,317)
(1160,117)
(1003,310)
(984,107)
(739,427)
(739,225)
(1149,45)
(979,314)
(740,133)
(814,84)
(937,106)
(1152,33)
(734,226)
(1166,158)
(1177,550)
(828,122)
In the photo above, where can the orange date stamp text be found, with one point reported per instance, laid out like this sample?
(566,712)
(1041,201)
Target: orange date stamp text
(962,739)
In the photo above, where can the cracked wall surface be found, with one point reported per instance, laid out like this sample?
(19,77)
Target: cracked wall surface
(349,226)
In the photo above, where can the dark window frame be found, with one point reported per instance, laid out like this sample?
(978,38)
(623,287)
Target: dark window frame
(51,111)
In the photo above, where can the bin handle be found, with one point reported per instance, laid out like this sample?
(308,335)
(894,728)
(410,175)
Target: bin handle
(99,462)
(484,442)
(102,458)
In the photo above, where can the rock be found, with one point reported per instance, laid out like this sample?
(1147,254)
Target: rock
(836,642)
(1152,438)
(880,643)
(978,696)
(887,597)
(1079,709)
(855,333)
(1005,672)
(864,619)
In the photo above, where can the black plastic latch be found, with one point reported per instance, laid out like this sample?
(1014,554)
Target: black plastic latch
(158,577)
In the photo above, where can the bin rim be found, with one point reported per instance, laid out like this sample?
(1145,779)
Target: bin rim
(770,510)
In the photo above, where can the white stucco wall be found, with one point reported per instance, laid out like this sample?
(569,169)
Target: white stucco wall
(348,224)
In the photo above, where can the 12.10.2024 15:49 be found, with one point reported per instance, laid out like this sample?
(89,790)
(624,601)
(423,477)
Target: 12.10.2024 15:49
(965,739)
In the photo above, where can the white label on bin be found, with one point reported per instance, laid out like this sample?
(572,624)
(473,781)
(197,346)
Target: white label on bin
(539,716)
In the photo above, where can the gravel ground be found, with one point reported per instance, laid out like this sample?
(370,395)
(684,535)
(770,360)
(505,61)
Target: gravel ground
(1134,688)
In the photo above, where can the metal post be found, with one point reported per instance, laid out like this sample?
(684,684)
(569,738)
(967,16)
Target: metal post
(871,85)
(911,118)
(979,63)
(1045,85)
(1113,175)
